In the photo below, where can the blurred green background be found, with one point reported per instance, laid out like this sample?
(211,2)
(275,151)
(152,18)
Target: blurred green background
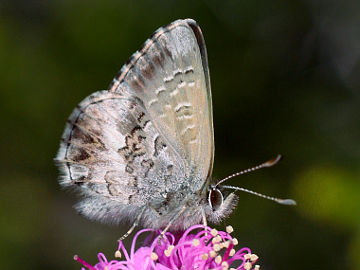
(285,79)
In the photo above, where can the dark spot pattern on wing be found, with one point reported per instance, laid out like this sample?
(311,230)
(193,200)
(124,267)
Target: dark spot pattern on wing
(149,70)
(134,145)
(158,145)
(81,155)
(147,165)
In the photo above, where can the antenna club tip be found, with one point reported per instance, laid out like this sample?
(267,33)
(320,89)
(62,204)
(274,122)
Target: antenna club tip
(287,202)
(273,161)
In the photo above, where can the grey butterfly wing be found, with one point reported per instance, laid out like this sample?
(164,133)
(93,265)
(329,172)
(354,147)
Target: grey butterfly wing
(170,78)
(149,134)
(108,152)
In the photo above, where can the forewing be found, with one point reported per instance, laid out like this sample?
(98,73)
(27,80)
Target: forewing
(169,77)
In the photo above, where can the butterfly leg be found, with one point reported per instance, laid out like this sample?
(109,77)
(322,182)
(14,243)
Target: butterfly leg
(172,220)
(136,222)
(204,221)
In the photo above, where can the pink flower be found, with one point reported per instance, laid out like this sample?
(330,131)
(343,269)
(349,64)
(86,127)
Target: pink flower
(196,248)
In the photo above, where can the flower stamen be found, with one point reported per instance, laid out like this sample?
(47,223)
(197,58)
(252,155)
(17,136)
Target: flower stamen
(235,241)
(117,254)
(218,259)
(214,232)
(229,229)
(205,256)
(154,256)
(212,254)
(247,266)
(247,256)
(217,247)
(195,242)
(216,239)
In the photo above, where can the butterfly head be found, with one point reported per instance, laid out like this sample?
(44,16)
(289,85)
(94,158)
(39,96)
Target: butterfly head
(219,203)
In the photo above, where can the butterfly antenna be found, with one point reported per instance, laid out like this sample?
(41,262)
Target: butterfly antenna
(281,201)
(266,164)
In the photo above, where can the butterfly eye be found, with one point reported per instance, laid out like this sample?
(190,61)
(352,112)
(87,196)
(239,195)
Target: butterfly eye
(215,199)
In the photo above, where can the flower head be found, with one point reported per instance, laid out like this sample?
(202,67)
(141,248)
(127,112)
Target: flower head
(196,248)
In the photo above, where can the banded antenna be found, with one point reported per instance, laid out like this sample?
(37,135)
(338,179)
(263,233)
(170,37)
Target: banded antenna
(266,164)
(280,201)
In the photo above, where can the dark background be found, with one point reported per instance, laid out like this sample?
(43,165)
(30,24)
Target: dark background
(285,79)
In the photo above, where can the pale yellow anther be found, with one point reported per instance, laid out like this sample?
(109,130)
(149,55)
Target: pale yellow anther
(225,264)
(195,242)
(117,254)
(253,257)
(218,259)
(226,244)
(154,256)
(205,256)
(232,252)
(247,266)
(169,250)
(217,247)
(257,267)
(216,239)
(212,254)
(247,256)
(229,229)
(232,268)
(235,241)
(214,232)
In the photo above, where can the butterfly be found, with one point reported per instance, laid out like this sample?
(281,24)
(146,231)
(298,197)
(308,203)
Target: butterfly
(142,151)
